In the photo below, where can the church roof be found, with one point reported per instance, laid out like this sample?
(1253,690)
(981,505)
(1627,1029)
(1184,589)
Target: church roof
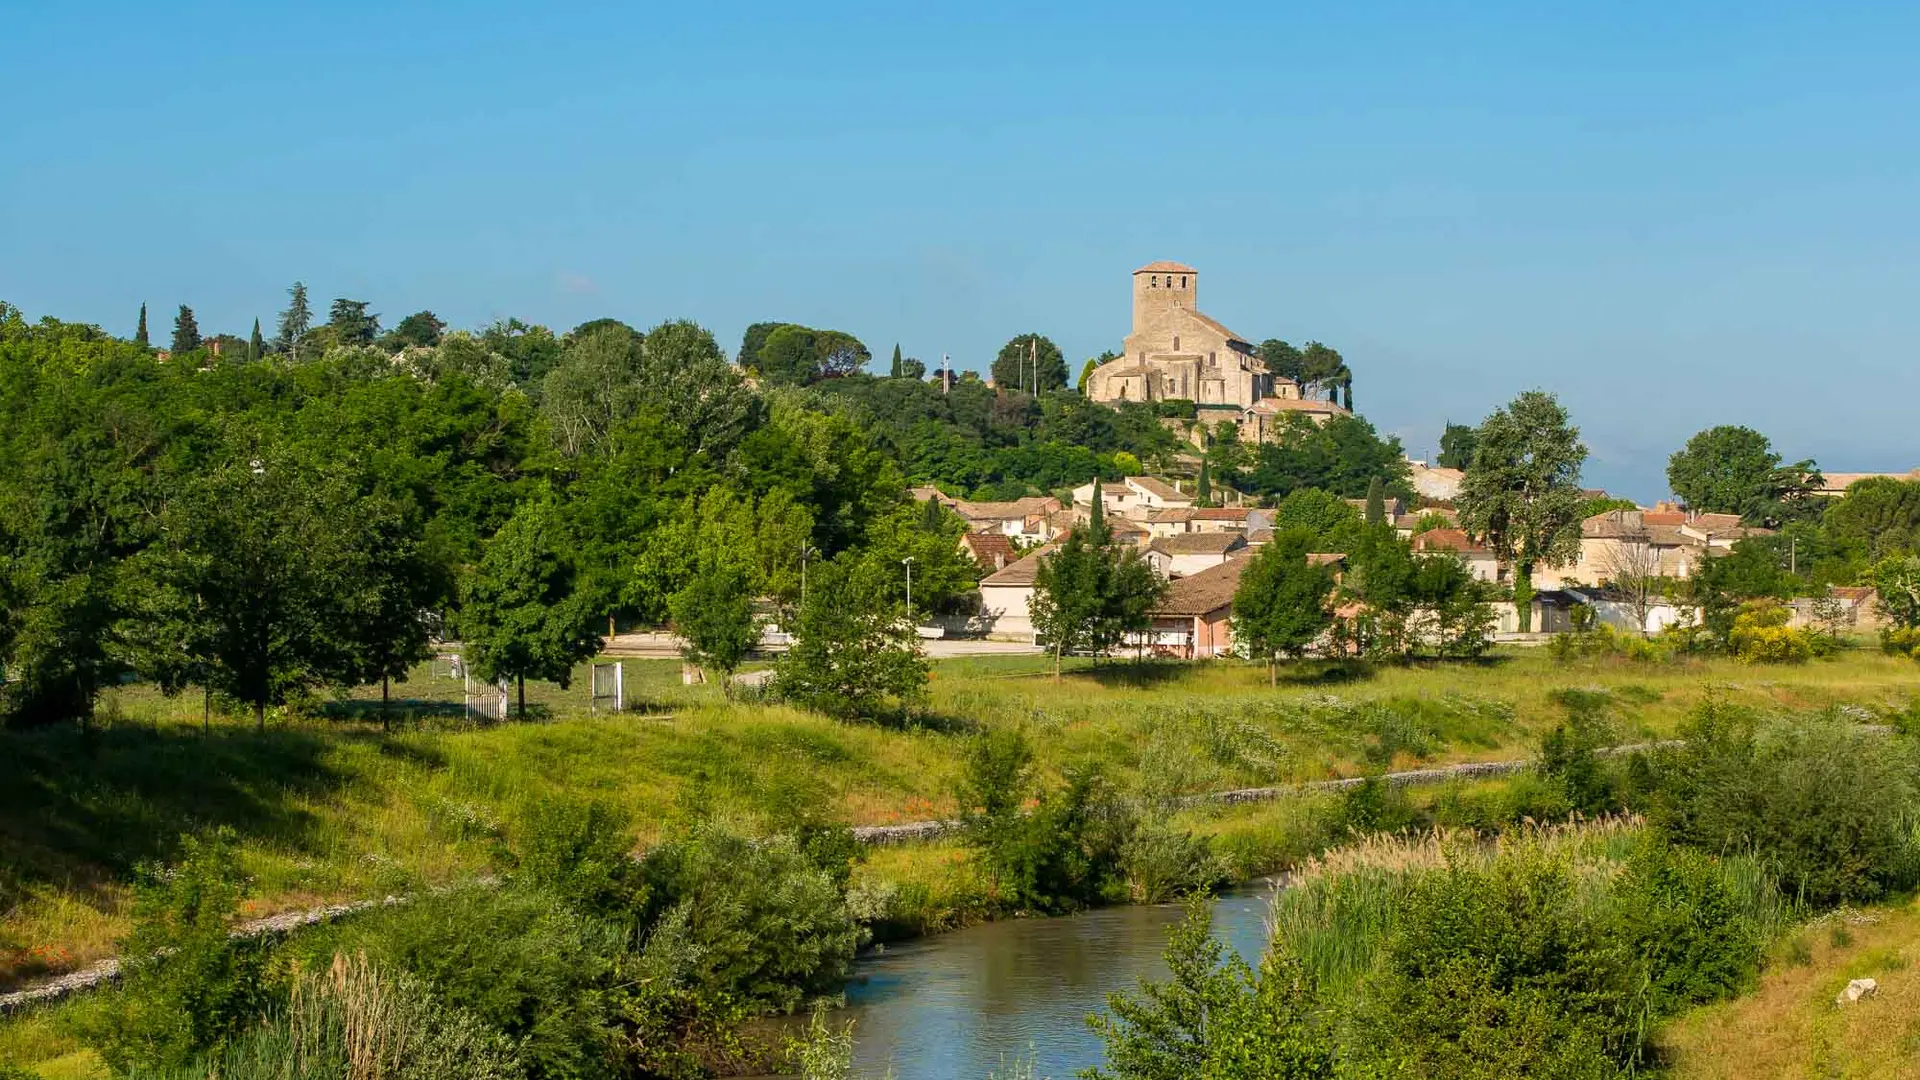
(1166,267)
(1216,326)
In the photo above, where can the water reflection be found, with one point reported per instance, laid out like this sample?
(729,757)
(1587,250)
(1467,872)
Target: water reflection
(961,1005)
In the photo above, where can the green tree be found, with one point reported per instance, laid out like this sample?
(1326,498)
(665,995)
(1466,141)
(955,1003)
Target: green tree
(522,612)
(1089,593)
(713,614)
(256,345)
(593,388)
(913,368)
(295,321)
(800,355)
(1522,493)
(1879,516)
(853,656)
(252,587)
(894,372)
(1457,443)
(1030,363)
(140,331)
(1203,487)
(420,330)
(1735,470)
(1376,502)
(186,332)
(390,585)
(1280,607)
(1333,522)
(352,324)
(1283,360)
(1087,369)
(1213,1018)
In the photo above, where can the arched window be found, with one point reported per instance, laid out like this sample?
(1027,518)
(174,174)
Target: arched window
(1153,282)
(1176,343)
(1183,281)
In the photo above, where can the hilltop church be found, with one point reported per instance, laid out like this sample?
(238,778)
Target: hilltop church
(1177,353)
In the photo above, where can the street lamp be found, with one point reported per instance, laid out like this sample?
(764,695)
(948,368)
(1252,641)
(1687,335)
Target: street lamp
(908,563)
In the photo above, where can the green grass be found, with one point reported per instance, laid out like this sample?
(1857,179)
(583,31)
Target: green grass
(328,805)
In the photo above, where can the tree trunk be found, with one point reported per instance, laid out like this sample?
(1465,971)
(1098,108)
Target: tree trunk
(522,681)
(1273,672)
(206,711)
(1056,661)
(1523,595)
(260,717)
(385,717)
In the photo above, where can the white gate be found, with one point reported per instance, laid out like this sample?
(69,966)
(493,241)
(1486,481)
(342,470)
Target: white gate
(608,688)
(486,702)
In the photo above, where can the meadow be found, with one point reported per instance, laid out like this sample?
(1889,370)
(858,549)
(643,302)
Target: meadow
(332,803)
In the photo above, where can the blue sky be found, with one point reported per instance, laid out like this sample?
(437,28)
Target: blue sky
(1673,215)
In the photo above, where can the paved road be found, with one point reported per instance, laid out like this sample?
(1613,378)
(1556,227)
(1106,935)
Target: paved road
(664,646)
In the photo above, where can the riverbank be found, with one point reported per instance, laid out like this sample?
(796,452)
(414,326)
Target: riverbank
(330,807)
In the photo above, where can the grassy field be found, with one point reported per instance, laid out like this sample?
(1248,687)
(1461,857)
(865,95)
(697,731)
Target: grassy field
(1790,1028)
(330,805)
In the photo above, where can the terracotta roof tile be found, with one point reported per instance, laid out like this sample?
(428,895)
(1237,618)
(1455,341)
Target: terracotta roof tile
(1165,266)
(1201,543)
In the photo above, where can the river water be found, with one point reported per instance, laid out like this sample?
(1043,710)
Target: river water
(962,1005)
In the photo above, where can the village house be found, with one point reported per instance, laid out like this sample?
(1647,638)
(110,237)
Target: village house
(1189,553)
(992,551)
(1195,618)
(1135,497)
(1664,542)
(1835,485)
(1175,352)
(1006,597)
(1482,563)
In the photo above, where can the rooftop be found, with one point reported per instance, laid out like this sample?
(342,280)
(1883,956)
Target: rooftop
(1023,572)
(1447,540)
(1165,266)
(1199,543)
(1209,590)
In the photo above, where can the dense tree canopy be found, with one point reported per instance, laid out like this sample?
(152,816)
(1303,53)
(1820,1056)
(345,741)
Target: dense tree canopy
(1522,492)
(1030,363)
(1735,470)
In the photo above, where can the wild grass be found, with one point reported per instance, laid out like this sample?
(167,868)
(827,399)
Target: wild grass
(330,804)
(1789,1027)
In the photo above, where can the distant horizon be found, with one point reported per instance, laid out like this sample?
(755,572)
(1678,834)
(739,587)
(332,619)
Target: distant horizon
(1672,217)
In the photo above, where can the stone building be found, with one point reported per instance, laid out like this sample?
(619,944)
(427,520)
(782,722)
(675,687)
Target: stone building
(1177,353)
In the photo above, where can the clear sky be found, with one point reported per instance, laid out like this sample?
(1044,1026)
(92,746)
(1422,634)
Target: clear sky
(1672,214)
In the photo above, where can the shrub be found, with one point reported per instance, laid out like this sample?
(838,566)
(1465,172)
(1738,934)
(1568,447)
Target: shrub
(763,924)
(518,959)
(1214,1019)
(1569,753)
(580,852)
(1820,802)
(354,1021)
(1901,641)
(1674,909)
(189,985)
(1373,806)
(1761,635)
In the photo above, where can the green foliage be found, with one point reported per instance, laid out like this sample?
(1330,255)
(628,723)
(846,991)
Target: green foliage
(1376,502)
(524,615)
(352,323)
(1457,444)
(294,323)
(1067,853)
(420,330)
(1522,492)
(1823,804)
(1090,592)
(1879,517)
(1413,603)
(800,355)
(853,657)
(1734,470)
(1213,1018)
(1343,456)
(579,852)
(1281,607)
(186,332)
(758,920)
(518,960)
(1030,363)
(1897,582)
(713,613)
(1334,522)
(140,331)
(189,986)
(1569,754)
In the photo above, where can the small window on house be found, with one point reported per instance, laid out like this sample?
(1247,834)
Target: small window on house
(1153,282)
(1211,360)
(1183,281)
(1176,343)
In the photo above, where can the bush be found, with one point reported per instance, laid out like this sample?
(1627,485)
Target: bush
(1901,641)
(1761,636)
(1674,910)
(354,1021)
(1067,853)
(517,959)
(190,985)
(762,923)
(1821,803)
(581,853)
(1569,754)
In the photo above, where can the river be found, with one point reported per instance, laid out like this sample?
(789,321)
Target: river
(961,1005)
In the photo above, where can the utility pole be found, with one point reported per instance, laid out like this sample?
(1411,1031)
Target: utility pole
(946,375)
(908,563)
(1033,354)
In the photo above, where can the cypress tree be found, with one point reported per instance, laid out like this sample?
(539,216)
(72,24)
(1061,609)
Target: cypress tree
(256,345)
(1376,502)
(896,360)
(1097,520)
(140,331)
(186,332)
(1203,491)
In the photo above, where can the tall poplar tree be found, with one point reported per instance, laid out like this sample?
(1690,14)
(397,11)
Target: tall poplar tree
(186,331)
(140,331)
(256,346)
